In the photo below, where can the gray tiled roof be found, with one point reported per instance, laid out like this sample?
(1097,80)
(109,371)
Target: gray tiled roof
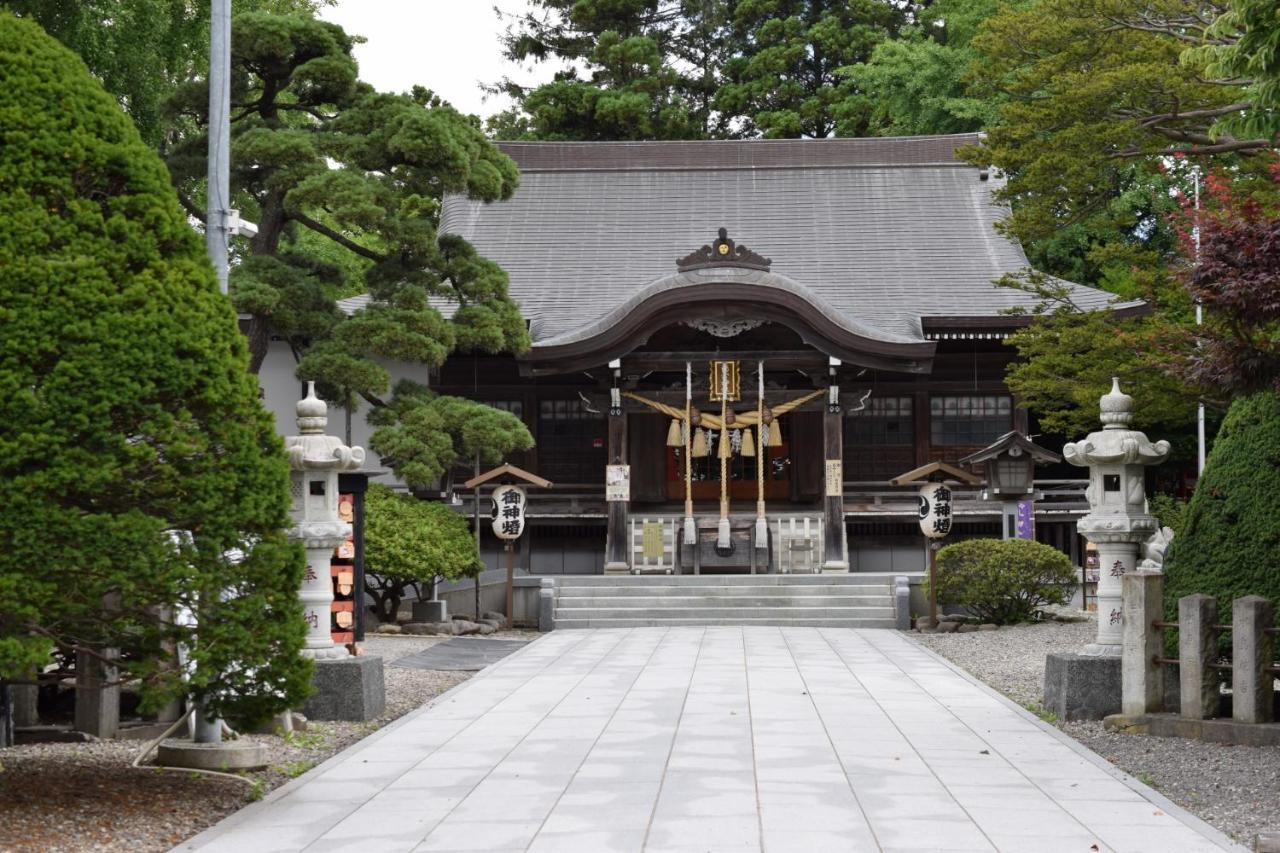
(885,231)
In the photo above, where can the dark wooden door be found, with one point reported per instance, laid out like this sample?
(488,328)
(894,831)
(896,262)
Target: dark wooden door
(806,455)
(647,455)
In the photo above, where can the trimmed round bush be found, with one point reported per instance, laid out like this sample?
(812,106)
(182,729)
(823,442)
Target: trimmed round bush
(1003,581)
(1231,531)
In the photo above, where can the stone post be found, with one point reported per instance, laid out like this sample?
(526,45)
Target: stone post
(902,603)
(1197,650)
(1141,678)
(316,459)
(1118,521)
(1252,693)
(97,693)
(25,698)
(547,605)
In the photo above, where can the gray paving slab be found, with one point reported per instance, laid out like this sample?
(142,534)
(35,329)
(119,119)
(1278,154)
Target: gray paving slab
(716,739)
(461,655)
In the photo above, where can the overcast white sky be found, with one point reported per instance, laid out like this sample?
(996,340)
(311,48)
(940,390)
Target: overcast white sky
(449,46)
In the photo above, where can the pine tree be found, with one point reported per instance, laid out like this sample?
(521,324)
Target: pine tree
(143,478)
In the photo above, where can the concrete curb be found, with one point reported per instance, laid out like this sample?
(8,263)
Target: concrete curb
(1148,793)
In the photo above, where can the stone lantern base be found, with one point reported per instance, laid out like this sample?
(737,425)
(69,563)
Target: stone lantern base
(348,688)
(1082,686)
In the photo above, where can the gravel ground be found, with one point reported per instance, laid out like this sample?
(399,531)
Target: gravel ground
(73,797)
(1235,788)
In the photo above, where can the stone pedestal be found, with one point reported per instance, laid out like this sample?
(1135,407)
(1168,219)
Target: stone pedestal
(430,611)
(97,694)
(24,705)
(350,689)
(1082,687)
(226,757)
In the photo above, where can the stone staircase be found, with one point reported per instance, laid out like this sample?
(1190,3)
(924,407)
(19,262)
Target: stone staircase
(632,601)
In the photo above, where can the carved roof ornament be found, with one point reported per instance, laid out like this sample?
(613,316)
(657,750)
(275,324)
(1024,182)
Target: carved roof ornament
(724,328)
(723,252)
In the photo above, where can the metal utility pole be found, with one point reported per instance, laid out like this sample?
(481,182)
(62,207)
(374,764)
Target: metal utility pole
(208,729)
(1195,233)
(217,226)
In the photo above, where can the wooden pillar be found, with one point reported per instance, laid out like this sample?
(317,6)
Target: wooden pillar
(921,426)
(834,557)
(616,558)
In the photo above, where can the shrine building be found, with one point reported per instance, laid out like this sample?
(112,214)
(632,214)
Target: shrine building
(736,345)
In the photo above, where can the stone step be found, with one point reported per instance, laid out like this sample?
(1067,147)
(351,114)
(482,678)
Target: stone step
(814,590)
(706,621)
(877,579)
(782,614)
(718,601)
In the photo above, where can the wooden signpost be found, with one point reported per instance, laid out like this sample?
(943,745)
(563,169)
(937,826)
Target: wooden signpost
(509,503)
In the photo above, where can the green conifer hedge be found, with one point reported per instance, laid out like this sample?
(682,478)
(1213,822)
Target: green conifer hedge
(141,476)
(1230,542)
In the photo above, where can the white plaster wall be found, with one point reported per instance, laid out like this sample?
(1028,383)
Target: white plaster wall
(281,390)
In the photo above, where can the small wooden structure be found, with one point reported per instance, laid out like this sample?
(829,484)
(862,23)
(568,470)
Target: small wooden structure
(503,473)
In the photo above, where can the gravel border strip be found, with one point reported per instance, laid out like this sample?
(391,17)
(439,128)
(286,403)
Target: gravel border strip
(1210,832)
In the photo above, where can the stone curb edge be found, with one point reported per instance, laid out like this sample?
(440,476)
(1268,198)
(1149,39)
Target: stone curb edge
(1209,831)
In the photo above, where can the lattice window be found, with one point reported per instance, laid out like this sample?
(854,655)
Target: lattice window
(969,420)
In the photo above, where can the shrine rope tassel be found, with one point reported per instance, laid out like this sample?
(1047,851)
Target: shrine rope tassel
(690,526)
(762,524)
(723,540)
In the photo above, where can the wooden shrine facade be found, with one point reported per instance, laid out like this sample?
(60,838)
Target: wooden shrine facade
(850,279)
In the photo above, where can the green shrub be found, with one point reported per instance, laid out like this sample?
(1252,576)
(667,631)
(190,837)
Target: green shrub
(1003,581)
(409,541)
(1231,533)
(1170,511)
(141,472)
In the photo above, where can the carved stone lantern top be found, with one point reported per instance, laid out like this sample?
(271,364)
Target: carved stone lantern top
(313,449)
(1115,443)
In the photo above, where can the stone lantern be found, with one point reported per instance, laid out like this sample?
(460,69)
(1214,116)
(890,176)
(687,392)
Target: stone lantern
(1010,468)
(1118,521)
(315,460)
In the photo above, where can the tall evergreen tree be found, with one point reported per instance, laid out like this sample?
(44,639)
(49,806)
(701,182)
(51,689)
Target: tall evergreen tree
(345,181)
(140,49)
(144,478)
(636,69)
(784,77)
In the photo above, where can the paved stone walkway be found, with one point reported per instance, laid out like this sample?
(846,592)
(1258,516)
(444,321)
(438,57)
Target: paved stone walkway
(716,739)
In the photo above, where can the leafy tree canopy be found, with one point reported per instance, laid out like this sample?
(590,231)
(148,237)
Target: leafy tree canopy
(144,477)
(408,541)
(423,435)
(140,49)
(1092,95)
(783,81)
(636,69)
(347,182)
